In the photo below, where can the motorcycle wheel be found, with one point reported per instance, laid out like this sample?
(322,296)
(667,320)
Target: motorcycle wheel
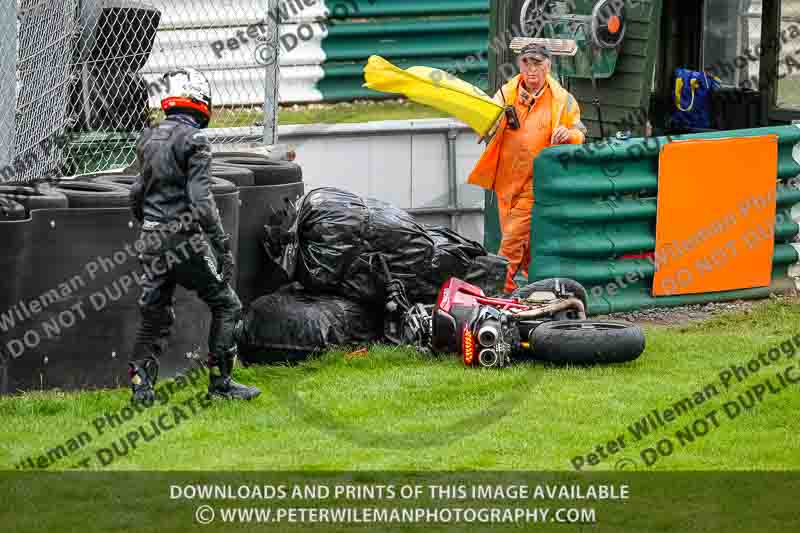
(586,342)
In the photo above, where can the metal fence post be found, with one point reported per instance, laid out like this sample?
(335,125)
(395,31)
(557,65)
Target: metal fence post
(271,73)
(8,81)
(452,177)
(500,22)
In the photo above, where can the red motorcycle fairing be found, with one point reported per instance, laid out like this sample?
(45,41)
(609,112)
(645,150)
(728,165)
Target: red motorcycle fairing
(457,292)
(457,305)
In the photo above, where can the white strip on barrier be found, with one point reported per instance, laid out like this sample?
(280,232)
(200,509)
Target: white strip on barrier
(218,13)
(246,86)
(223,48)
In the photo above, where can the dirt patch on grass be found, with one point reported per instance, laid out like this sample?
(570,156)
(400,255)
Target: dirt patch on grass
(692,313)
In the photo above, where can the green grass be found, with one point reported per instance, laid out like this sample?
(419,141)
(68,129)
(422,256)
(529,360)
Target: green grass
(343,112)
(361,111)
(396,410)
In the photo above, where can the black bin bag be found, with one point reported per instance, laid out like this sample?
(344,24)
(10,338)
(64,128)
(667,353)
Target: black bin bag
(337,241)
(489,273)
(291,324)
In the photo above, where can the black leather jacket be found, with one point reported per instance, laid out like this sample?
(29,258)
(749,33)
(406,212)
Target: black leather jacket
(175,179)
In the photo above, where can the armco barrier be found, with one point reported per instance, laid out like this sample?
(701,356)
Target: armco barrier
(69,325)
(596,203)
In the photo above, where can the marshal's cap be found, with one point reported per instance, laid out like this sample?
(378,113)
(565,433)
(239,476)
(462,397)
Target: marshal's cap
(535,49)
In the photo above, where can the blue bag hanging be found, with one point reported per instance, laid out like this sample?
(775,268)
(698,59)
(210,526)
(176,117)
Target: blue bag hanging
(693,98)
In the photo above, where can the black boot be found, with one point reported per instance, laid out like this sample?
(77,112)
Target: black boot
(143,380)
(221,385)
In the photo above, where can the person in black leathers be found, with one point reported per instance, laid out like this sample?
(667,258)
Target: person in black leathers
(180,228)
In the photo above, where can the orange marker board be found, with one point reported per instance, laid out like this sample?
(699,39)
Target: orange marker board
(715,224)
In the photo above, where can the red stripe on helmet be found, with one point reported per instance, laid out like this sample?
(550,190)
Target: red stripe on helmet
(179,101)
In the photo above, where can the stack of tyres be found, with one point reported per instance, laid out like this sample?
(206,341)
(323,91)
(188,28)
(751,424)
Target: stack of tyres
(225,196)
(93,195)
(16,204)
(77,274)
(76,309)
(11,209)
(265,171)
(38,197)
(14,234)
(224,191)
(218,184)
(123,179)
(276,183)
(240,176)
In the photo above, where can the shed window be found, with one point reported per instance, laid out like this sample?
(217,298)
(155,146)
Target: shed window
(789,55)
(731,41)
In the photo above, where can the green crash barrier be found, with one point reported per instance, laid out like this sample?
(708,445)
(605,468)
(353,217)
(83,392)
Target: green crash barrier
(595,203)
(451,36)
(405,8)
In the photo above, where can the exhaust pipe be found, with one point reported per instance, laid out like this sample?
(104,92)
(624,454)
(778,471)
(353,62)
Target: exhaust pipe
(488,358)
(563,305)
(488,334)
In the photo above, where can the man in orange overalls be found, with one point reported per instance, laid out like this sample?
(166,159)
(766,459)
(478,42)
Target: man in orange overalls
(548,115)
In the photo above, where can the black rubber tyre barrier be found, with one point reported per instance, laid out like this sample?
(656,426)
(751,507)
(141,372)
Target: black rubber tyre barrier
(568,285)
(218,185)
(93,194)
(123,180)
(222,186)
(219,156)
(268,172)
(59,258)
(257,276)
(587,342)
(489,273)
(11,209)
(42,197)
(16,261)
(291,324)
(241,176)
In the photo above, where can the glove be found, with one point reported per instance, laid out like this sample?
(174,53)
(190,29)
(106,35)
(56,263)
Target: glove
(227,265)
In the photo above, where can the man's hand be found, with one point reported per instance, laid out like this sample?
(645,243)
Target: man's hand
(561,135)
(227,265)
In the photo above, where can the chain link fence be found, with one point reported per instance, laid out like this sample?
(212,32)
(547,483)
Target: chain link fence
(80,79)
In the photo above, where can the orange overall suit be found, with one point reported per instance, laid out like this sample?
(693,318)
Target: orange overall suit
(507,164)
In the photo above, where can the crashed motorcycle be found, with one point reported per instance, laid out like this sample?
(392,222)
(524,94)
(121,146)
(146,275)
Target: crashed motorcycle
(545,321)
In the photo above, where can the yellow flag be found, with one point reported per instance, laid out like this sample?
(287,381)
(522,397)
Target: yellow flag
(435,88)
